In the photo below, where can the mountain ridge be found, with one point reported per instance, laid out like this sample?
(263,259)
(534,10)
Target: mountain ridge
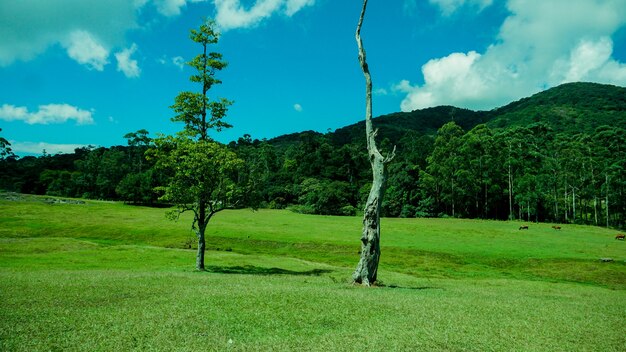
(570,107)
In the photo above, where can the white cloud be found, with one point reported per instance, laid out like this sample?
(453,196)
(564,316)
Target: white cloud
(297,107)
(125,64)
(448,7)
(231,14)
(39,147)
(452,75)
(590,60)
(90,29)
(293,6)
(29,28)
(541,44)
(47,114)
(381,91)
(170,8)
(86,50)
(179,62)
(403,86)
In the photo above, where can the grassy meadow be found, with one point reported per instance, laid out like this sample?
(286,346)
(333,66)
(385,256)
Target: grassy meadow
(104,276)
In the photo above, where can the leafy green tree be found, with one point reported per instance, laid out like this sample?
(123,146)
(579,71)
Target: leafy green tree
(138,143)
(577,176)
(88,168)
(554,167)
(402,195)
(444,165)
(58,182)
(326,197)
(259,164)
(5,148)
(112,169)
(530,183)
(138,187)
(202,172)
(513,145)
(612,154)
(479,179)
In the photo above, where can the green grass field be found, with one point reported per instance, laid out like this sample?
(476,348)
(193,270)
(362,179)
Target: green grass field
(104,276)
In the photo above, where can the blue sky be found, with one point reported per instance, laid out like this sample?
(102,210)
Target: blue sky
(86,72)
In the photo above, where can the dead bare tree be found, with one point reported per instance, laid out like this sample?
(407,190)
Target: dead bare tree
(367,269)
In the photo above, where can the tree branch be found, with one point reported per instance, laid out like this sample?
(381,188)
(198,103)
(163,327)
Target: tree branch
(390,157)
(369,130)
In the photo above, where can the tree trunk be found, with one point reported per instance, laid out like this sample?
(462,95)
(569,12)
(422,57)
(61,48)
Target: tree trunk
(595,197)
(201,249)
(573,205)
(367,269)
(200,222)
(511,215)
(606,180)
(566,205)
(486,204)
(595,210)
(452,190)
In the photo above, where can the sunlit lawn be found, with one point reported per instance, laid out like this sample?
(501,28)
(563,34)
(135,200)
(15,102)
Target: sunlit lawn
(105,276)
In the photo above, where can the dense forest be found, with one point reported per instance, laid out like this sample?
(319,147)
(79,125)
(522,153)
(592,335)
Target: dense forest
(559,155)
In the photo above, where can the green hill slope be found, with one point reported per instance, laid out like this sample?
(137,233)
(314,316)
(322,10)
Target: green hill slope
(571,107)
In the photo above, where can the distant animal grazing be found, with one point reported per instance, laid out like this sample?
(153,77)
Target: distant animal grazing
(523,227)
(620,236)
(556,227)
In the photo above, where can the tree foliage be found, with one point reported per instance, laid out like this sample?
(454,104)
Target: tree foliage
(5,148)
(201,173)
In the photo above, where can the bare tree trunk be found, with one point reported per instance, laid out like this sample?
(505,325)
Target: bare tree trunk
(606,178)
(595,196)
(511,215)
(366,272)
(367,269)
(452,189)
(595,210)
(566,205)
(573,204)
(486,204)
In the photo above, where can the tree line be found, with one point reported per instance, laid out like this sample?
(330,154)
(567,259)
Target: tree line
(532,173)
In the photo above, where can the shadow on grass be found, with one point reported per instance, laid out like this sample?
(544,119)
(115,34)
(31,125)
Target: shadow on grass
(255,270)
(381,285)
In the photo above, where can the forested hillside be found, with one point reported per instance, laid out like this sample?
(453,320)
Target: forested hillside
(572,108)
(558,155)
